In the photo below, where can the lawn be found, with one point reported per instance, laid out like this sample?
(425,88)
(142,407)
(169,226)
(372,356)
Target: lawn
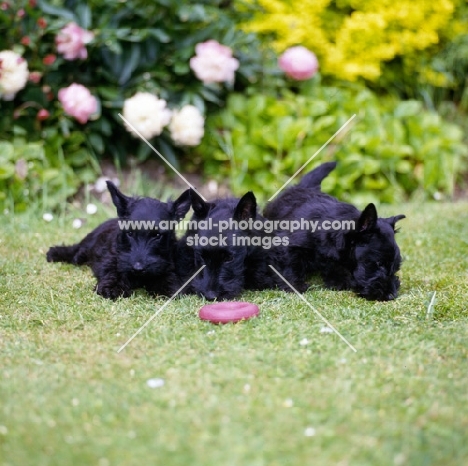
(276,390)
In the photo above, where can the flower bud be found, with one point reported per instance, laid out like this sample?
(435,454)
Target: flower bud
(42,114)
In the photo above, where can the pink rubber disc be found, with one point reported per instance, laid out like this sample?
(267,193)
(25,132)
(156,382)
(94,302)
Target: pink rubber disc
(224,312)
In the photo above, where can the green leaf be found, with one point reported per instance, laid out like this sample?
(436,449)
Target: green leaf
(6,151)
(50,174)
(237,104)
(323,122)
(317,107)
(369,167)
(110,93)
(7,170)
(130,61)
(83,12)
(403,166)
(159,34)
(32,151)
(167,152)
(78,158)
(408,108)
(192,12)
(96,142)
(143,152)
(56,11)
(181,68)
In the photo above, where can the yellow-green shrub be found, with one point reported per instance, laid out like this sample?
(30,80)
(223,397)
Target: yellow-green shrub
(352,38)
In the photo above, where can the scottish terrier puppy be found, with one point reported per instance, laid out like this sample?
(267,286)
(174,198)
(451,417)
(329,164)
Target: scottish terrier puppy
(131,251)
(364,259)
(235,252)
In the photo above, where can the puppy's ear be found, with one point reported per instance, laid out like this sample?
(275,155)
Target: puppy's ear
(246,208)
(120,201)
(181,205)
(368,219)
(199,206)
(393,220)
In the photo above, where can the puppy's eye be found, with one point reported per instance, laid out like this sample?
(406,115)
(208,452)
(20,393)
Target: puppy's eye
(129,233)
(157,235)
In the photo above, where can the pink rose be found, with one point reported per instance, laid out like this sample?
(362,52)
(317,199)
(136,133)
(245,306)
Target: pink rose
(78,102)
(71,41)
(298,63)
(213,62)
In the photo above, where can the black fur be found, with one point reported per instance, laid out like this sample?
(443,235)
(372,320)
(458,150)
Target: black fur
(364,260)
(232,266)
(124,260)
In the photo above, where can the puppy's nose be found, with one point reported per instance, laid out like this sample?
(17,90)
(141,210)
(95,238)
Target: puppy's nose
(391,296)
(138,266)
(210,295)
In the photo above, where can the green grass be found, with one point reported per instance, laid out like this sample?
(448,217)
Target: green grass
(240,394)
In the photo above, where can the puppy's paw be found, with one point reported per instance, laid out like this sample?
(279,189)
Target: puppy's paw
(80,258)
(112,292)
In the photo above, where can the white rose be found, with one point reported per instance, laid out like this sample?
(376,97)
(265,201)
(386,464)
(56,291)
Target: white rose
(146,113)
(13,74)
(187,126)
(213,62)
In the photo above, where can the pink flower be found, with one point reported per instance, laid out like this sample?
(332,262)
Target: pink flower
(49,59)
(42,114)
(71,41)
(213,62)
(35,77)
(298,63)
(78,102)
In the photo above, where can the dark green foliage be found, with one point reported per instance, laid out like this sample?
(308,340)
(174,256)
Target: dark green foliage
(137,46)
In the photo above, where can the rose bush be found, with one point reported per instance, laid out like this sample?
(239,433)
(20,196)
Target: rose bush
(68,70)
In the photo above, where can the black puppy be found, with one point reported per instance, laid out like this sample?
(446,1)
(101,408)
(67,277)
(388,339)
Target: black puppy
(132,251)
(351,250)
(236,253)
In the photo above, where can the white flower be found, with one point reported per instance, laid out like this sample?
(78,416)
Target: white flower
(213,62)
(77,223)
(146,113)
(187,126)
(13,74)
(309,432)
(100,186)
(304,342)
(155,383)
(48,217)
(326,330)
(212,186)
(91,209)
